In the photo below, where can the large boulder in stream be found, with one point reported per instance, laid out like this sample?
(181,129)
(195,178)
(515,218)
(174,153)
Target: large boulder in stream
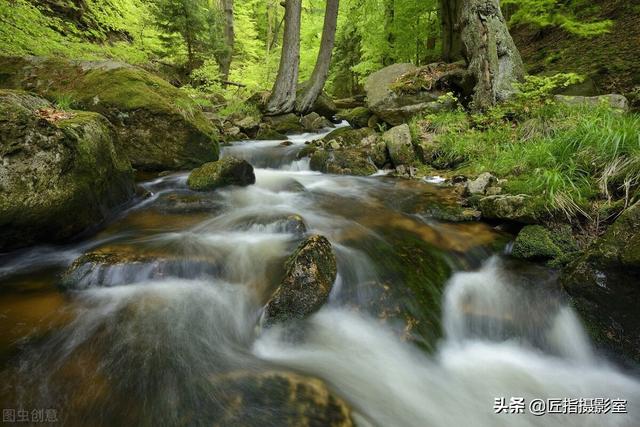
(310,273)
(224,172)
(603,284)
(159,126)
(343,162)
(399,145)
(60,173)
(276,398)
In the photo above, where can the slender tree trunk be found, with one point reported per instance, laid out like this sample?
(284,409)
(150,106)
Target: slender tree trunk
(491,54)
(229,38)
(321,70)
(283,95)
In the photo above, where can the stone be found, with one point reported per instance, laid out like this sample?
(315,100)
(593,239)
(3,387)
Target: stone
(615,101)
(345,161)
(60,173)
(313,122)
(538,243)
(310,273)
(481,184)
(357,117)
(395,107)
(348,137)
(274,398)
(399,145)
(518,208)
(284,124)
(224,172)
(159,127)
(603,286)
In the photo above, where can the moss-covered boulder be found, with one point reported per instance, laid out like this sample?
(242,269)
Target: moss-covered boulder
(310,273)
(60,173)
(357,117)
(348,137)
(603,284)
(347,161)
(120,265)
(538,243)
(284,124)
(224,172)
(159,127)
(275,398)
(399,145)
(517,208)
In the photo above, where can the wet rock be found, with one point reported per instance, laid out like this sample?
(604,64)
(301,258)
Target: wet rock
(313,122)
(158,126)
(266,133)
(615,101)
(481,184)
(294,224)
(60,173)
(348,137)
(284,124)
(310,273)
(248,124)
(398,142)
(603,286)
(123,265)
(519,208)
(538,243)
(176,203)
(349,103)
(357,117)
(343,162)
(224,172)
(276,398)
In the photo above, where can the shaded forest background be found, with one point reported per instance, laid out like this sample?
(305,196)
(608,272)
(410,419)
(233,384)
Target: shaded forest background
(184,40)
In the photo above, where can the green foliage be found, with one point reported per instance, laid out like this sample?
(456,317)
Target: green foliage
(569,157)
(64,102)
(560,13)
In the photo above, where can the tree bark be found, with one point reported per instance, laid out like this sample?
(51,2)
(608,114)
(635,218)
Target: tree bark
(321,70)
(229,38)
(283,95)
(451,37)
(492,56)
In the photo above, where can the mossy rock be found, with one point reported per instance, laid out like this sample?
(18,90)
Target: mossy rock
(348,137)
(343,162)
(224,172)
(284,124)
(517,208)
(603,286)
(310,273)
(399,146)
(159,126)
(357,117)
(537,243)
(60,173)
(275,398)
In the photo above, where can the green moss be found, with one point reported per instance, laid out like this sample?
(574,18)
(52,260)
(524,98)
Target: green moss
(534,242)
(224,172)
(357,117)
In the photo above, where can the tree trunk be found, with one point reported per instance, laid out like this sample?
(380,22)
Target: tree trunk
(491,54)
(321,69)
(283,95)
(451,37)
(229,38)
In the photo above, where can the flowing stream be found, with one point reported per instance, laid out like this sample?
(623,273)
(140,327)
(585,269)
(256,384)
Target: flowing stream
(427,324)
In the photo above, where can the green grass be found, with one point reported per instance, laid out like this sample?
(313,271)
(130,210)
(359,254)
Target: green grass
(571,158)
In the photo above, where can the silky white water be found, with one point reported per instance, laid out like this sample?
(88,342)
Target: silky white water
(426,325)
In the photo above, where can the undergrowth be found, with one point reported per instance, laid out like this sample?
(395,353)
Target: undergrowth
(574,159)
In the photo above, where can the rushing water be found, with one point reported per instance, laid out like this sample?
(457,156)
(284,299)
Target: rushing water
(426,325)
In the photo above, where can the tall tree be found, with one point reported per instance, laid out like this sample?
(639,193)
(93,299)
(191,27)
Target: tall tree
(321,70)
(451,37)
(229,38)
(283,95)
(492,56)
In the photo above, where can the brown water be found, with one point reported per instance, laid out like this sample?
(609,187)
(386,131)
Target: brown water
(425,325)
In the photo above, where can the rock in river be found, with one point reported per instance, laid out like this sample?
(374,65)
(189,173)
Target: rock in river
(309,277)
(60,173)
(226,171)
